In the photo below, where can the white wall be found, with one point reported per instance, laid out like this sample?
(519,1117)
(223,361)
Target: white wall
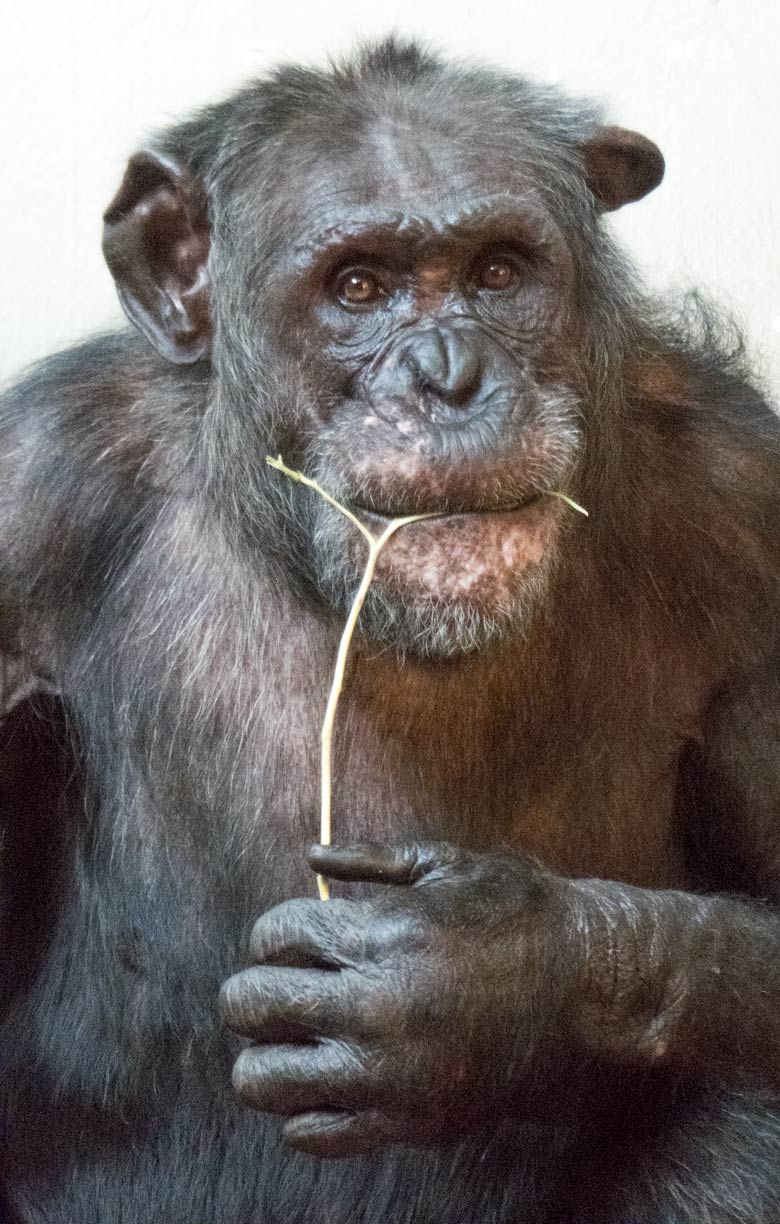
(81,82)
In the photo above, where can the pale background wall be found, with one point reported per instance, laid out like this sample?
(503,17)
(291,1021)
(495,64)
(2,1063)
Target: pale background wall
(81,82)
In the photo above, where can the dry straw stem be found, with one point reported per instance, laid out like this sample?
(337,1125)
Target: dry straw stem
(375,546)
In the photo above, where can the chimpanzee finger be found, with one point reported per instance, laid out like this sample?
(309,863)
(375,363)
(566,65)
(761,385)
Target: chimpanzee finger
(306,933)
(338,1134)
(294,1079)
(374,862)
(277,1004)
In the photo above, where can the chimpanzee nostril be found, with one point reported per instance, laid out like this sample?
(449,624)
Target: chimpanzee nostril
(445,363)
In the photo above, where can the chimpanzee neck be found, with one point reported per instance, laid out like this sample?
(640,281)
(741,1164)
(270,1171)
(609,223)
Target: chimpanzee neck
(210,706)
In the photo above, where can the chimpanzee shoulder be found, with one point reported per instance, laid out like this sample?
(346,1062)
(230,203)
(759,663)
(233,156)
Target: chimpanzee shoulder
(91,441)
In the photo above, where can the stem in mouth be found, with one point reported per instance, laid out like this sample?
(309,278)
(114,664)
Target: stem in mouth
(385,514)
(375,546)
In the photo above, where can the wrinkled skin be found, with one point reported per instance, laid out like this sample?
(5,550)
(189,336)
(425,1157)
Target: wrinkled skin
(438,321)
(361,1012)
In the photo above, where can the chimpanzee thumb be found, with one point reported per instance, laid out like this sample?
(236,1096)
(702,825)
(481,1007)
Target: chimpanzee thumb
(377,863)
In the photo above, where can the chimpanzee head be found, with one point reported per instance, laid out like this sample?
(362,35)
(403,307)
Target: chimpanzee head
(399,274)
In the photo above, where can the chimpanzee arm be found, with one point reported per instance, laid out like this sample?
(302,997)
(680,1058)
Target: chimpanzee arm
(528,981)
(717,1016)
(659,979)
(706,1145)
(86,456)
(71,448)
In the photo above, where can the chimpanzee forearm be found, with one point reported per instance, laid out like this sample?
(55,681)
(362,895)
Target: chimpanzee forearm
(483,985)
(679,980)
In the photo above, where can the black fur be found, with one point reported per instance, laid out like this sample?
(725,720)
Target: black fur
(163,582)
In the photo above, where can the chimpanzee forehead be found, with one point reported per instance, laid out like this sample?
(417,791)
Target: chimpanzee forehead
(402,159)
(402,170)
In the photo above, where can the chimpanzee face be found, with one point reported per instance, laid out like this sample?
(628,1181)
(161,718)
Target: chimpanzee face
(427,299)
(389,285)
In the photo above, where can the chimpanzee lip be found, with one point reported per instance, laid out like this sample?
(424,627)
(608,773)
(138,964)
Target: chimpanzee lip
(440,512)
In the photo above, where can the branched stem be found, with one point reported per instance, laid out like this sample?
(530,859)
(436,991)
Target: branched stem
(375,546)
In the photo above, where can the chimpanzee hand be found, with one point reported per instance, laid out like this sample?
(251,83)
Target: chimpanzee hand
(411,1017)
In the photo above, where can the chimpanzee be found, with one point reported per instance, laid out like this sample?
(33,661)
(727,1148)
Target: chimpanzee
(548,986)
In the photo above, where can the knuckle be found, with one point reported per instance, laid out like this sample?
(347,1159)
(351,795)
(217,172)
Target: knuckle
(396,931)
(276,923)
(304,922)
(434,860)
(414,855)
(352,1061)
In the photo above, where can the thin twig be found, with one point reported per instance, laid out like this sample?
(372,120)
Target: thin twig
(375,546)
(570,502)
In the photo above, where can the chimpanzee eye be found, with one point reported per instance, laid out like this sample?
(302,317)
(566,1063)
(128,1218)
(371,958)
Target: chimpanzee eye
(359,287)
(496,273)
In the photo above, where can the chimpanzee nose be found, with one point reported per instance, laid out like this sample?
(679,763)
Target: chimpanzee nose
(446,363)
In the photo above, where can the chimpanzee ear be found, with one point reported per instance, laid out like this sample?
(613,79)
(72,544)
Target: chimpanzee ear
(156,243)
(621,166)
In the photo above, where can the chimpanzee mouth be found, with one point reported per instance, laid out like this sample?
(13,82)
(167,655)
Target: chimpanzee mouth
(475,564)
(388,513)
